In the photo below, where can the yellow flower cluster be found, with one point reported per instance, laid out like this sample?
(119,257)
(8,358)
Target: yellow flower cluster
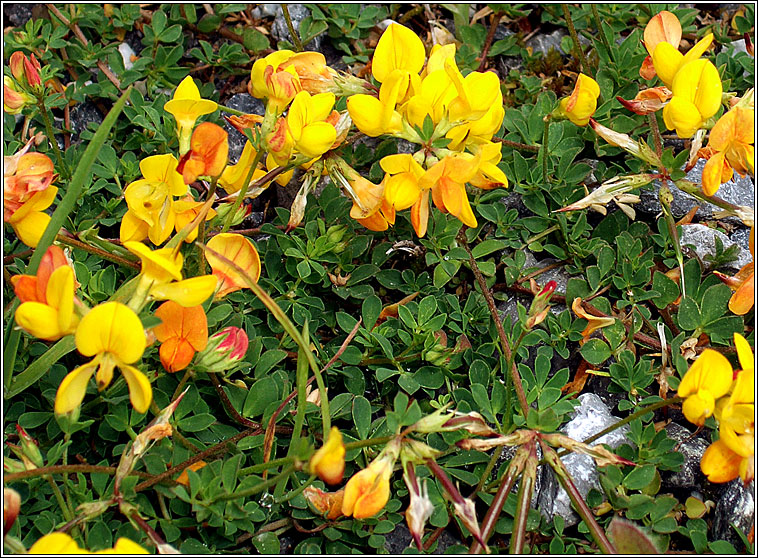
(711,387)
(428,102)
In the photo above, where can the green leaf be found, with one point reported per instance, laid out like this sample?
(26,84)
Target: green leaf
(630,538)
(229,471)
(370,310)
(40,366)
(267,543)
(362,416)
(444,271)
(426,309)
(689,314)
(639,477)
(254,40)
(714,303)
(595,351)
(668,289)
(487,247)
(261,393)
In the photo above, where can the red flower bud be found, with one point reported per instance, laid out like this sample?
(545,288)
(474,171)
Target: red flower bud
(224,350)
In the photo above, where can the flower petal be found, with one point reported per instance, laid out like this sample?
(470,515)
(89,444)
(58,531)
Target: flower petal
(114,328)
(73,387)
(398,48)
(140,392)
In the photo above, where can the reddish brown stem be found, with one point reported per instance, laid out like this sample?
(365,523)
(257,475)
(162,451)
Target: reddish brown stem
(228,404)
(488,41)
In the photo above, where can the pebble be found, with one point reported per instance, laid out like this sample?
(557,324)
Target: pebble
(703,239)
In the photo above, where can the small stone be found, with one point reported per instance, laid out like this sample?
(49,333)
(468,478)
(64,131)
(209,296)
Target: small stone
(250,105)
(736,506)
(703,240)
(544,42)
(280,31)
(82,115)
(589,418)
(692,448)
(741,237)
(400,538)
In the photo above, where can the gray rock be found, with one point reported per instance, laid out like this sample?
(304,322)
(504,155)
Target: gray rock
(590,417)
(298,12)
(250,105)
(17,13)
(737,46)
(400,539)
(703,239)
(741,237)
(692,448)
(739,190)
(735,506)
(82,115)
(542,42)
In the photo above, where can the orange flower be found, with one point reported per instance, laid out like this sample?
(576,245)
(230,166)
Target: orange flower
(242,252)
(731,142)
(209,149)
(662,27)
(32,288)
(183,332)
(329,461)
(593,322)
(25,70)
(24,174)
(447,181)
(368,490)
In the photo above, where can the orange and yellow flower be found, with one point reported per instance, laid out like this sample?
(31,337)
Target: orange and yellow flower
(239,250)
(582,103)
(709,378)
(47,309)
(209,149)
(183,331)
(368,491)
(329,461)
(731,146)
(187,106)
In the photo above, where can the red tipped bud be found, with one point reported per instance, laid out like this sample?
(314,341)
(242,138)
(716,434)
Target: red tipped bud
(224,350)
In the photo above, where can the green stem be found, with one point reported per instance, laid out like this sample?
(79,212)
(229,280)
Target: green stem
(296,491)
(67,513)
(578,52)
(51,136)
(600,30)
(260,467)
(260,487)
(301,379)
(230,110)
(381,440)
(294,34)
(74,243)
(545,144)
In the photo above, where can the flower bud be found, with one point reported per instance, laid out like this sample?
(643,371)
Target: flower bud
(540,305)
(25,70)
(30,447)
(14,100)
(11,507)
(224,350)
(329,503)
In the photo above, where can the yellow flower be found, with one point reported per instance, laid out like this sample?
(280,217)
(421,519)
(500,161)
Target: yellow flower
(733,454)
(368,491)
(62,543)
(29,221)
(477,93)
(187,106)
(312,136)
(272,79)
(489,175)
(401,187)
(582,102)
(151,200)
(667,60)
(233,178)
(732,140)
(161,276)
(593,322)
(113,334)
(398,48)
(239,250)
(186,209)
(696,97)
(375,117)
(329,461)
(54,317)
(709,378)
